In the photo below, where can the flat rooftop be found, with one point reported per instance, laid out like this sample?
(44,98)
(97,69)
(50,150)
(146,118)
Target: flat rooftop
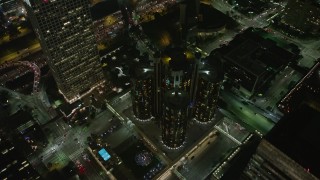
(307,90)
(242,56)
(104,8)
(255,54)
(214,19)
(17,119)
(302,15)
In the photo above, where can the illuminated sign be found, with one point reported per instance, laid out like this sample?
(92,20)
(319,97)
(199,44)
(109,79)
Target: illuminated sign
(104,154)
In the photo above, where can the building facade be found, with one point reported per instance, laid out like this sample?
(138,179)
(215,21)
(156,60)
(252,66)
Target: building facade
(65,33)
(264,165)
(209,80)
(197,82)
(290,149)
(13,164)
(174,118)
(207,97)
(172,87)
(141,93)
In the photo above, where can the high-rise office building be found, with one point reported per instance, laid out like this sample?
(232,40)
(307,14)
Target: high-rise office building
(174,74)
(177,80)
(301,17)
(189,11)
(192,86)
(209,81)
(141,93)
(24,131)
(177,70)
(173,70)
(13,164)
(264,165)
(290,150)
(65,33)
(307,90)
(174,118)
(157,108)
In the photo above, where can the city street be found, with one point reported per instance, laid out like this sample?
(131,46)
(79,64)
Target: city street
(205,162)
(92,169)
(201,166)
(69,143)
(246,113)
(309,48)
(18,101)
(258,117)
(115,124)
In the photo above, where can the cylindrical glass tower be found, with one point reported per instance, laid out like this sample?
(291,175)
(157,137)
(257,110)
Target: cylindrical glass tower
(142,93)
(174,119)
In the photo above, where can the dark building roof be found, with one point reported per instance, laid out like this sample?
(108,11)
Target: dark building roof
(17,119)
(104,8)
(143,72)
(179,60)
(212,70)
(256,57)
(208,75)
(253,58)
(67,108)
(166,32)
(241,159)
(13,164)
(307,90)
(303,15)
(176,99)
(211,18)
(297,135)
(245,7)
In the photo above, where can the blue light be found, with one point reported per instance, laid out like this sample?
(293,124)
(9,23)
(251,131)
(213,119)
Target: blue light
(167,82)
(104,154)
(191,104)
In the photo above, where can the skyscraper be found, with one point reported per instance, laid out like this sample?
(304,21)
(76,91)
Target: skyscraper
(176,78)
(65,33)
(173,69)
(13,164)
(184,88)
(174,119)
(290,150)
(142,93)
(156,108)
(177,70)
(210,76)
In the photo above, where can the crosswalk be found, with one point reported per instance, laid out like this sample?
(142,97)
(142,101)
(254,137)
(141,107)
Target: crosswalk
(75,155)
